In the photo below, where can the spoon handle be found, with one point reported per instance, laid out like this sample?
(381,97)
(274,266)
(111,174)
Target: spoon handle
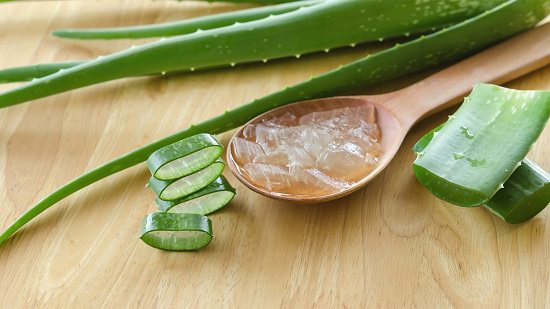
(499,64)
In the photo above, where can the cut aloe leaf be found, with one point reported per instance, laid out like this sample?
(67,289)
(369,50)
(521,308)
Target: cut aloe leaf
(525,194)
(184,157)
(213,197)
(170,190)
(176,231)
(471,157)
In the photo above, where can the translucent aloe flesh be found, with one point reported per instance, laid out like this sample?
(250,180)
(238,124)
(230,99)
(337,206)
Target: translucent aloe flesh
(213,197)
(447,45)
(471,157)
(170,190)
(176,231)
(184,157)
(317,27)
(524,195)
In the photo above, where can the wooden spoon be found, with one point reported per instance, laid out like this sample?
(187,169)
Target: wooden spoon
(398,111)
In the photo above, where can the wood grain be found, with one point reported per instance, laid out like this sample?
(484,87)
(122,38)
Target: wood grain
(391,244)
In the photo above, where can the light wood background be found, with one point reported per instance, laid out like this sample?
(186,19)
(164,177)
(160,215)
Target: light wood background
(391,244)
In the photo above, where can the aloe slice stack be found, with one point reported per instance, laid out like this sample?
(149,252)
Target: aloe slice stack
(190,187)
(480,150)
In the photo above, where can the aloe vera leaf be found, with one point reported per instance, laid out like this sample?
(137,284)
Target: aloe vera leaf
(450,44)
(184,157)
(210,199)
(176,231)
(464,163)
(182,26)
(525,194)
(28,73)
(170,190)
(326,25)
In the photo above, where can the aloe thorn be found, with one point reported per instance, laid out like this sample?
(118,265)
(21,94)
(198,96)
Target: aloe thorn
(297,32)
(452,44)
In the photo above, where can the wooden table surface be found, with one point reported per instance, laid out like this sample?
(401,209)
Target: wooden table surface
(388,245)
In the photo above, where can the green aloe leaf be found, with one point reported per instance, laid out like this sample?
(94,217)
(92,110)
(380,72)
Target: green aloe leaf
(183,26)
(30,72)
(525,194)
(471,157)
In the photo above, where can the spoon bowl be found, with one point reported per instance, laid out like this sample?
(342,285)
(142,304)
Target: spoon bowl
(392,134)
(398,111)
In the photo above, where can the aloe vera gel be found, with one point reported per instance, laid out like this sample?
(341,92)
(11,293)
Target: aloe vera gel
(314,154)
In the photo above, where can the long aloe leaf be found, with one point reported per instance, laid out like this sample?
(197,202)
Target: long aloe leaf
(464,163)
(524,195)
(447,45)
(28,73)
(326,25)
(183,26)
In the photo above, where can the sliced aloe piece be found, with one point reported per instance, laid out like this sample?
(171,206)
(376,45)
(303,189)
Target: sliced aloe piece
(170,190)
(176,231)
(525,194)
(469,160)
(184,157)
(213,197)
